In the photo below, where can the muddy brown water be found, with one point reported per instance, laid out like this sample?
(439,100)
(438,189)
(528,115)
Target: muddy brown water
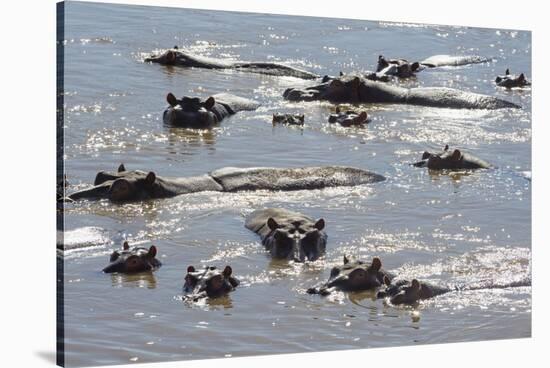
(443,228)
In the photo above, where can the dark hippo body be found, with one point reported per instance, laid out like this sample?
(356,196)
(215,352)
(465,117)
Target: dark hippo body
(139,185)
(355,89)
(511,81)
(289,235)
(411,292)
(354,275)
(348,118)
(453,60)
(132,260)
(178,57)
(210,282)
(451,160)
(204,114)
(400,68)
(289,119)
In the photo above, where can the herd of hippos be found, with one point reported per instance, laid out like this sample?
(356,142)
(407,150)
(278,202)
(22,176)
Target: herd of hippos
(287,234)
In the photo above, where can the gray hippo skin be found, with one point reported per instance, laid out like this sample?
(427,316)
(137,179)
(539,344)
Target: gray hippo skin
(356,89)
(289,235)
(195,113)
(209,282)
(451,160)
(178,57)
(354,275)
(139,185)
(348,118)
(133,260)
(288,119)
(405,292)
(453,60)
(512,81)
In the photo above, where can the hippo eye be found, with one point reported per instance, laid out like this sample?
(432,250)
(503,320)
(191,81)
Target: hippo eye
(301,231)
(334,272)
(292,231)
(114,256)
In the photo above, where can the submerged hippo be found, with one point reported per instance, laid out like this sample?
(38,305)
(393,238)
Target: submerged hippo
(400,68)
(354,275)
(204,114)
(178,57)
(447,160)
(348,118)
(453,60)
(209,282)
(356,89)
(511,81)
(139,185)
(132,260)
(289,119)
(405,292)
(289,235)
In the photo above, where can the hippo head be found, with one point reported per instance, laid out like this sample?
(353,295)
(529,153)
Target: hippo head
(407,294)
(168,57)
(133,260)
(123,186)
(342,89)
(208,282)
(190,112)
(441,161)
(289,119)
(298,240)
(356,275)
(510,81)
(348,118)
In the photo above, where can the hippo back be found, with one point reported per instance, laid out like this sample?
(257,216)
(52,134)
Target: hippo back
(236,103)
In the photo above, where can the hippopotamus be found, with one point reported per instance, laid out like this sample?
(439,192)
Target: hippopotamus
(177,57)
(136,185)
(397,67)
(348,118)
(453,60)
(195,113)
(411,292)
(511,81)
(136,259)
(356,89)
(354,275)
(289,235)
(209,282)
(289,119)
(447,160)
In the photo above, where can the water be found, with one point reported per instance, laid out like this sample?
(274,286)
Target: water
(441,228)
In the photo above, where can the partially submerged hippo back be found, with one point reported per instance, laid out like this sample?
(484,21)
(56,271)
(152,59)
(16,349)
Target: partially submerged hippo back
(354,276)
(451,160)
(348,118)
(404,292)
(208,282)
(195,113)
(453,60)
(289,235)
(132,260)
(511,81)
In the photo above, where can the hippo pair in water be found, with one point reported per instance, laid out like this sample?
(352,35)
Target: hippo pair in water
(511,81)
(355,276)
(357,89)
(136,185)
(177,57)
(451,160)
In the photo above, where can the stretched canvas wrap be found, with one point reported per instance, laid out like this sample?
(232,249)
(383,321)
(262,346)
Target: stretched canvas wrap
(234,184)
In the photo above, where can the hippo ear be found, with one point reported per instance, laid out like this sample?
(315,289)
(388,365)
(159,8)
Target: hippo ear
(121,168)
(152,252)
(426,155)
(346,259)
(415,66)
(227,271)
(301,118)
(521,77)
(341,73)
(209,103)
(175,47)
(190,269)
(456,155)
(272,224)
(387,280)
(171,99)
(415,284)
(376,264)
(507,72)
(320,224)
(446,148)
(150,178)
(125,245)
(337,109)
